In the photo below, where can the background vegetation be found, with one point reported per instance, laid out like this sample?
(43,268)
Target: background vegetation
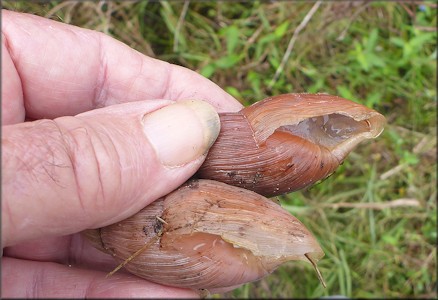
(376,216)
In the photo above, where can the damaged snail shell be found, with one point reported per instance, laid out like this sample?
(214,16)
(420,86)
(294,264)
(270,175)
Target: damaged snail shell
(288,142)
(219,232)
(207,235)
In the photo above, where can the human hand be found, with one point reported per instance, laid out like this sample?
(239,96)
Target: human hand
(85,159)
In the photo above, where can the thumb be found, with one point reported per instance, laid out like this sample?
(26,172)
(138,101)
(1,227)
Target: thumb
(64,175)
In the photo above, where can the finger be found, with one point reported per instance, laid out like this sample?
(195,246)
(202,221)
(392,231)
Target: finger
(66,70)
(12,93)
(65,175)
(28,279)
(73,250)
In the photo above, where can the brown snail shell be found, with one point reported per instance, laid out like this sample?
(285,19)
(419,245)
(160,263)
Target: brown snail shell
(288,142)
(208,235)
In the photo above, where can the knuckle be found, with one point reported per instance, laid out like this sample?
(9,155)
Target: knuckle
(94,161)
(77,161)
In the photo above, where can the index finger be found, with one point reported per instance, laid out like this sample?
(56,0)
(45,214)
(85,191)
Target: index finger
(66,70)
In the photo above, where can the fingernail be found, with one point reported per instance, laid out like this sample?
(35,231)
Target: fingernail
(182,132)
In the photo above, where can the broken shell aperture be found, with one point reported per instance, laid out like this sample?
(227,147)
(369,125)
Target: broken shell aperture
(288,142)
(208,235)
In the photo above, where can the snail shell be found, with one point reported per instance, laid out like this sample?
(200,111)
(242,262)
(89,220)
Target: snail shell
(288,142)
(208,235)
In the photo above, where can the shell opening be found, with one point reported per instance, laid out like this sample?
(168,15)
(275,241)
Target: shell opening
(217,262)
(329,130)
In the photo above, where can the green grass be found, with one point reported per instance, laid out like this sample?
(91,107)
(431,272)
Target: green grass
(381,54)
